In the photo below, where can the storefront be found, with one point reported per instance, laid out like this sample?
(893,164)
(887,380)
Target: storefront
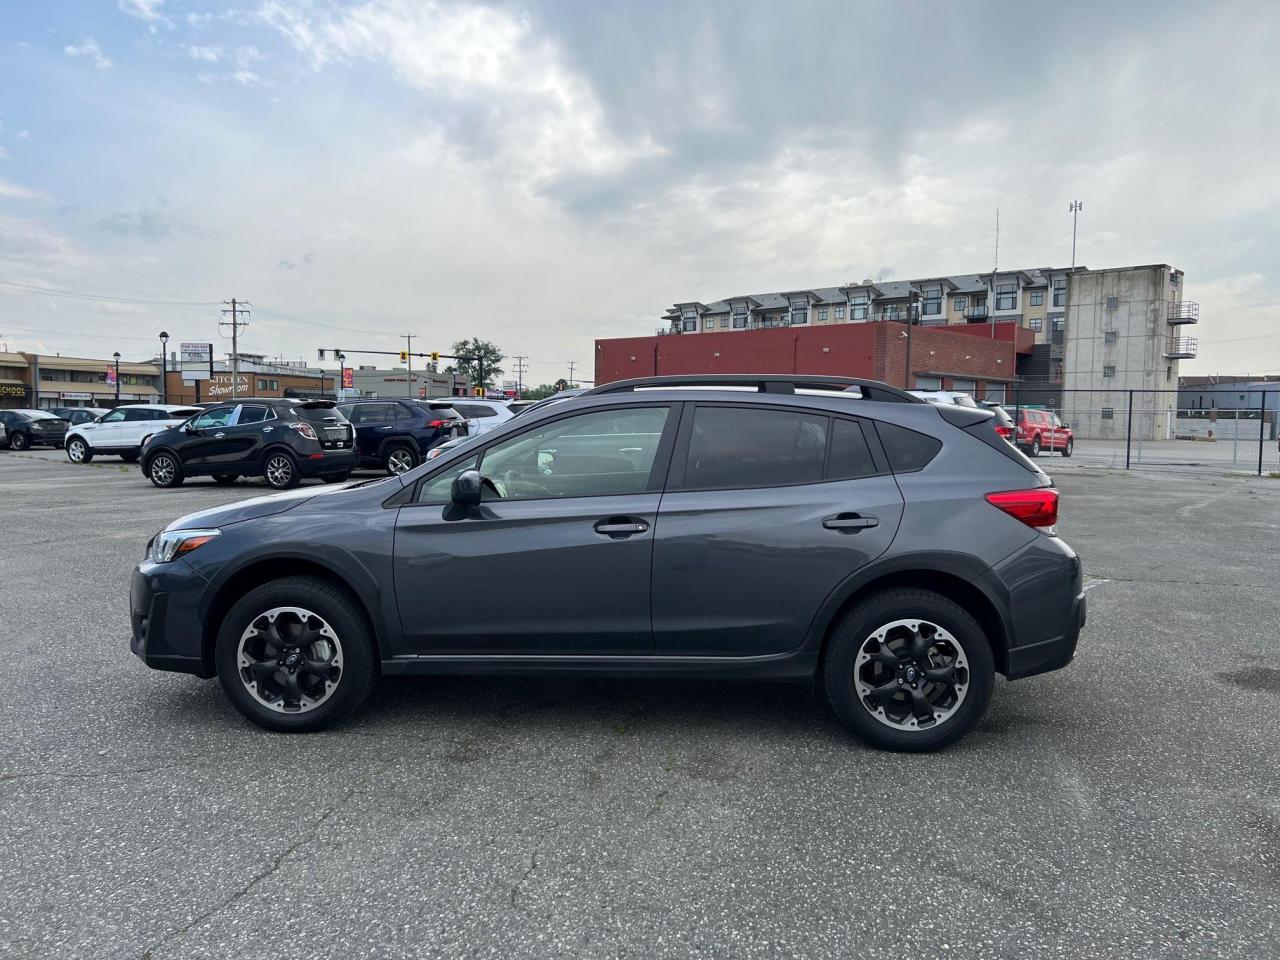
(14,392)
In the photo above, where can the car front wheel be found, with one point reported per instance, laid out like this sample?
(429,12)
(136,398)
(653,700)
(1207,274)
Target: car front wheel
(78,451)
(281,471)
(1066,451)
(164,470)
(908,670)
(295,655)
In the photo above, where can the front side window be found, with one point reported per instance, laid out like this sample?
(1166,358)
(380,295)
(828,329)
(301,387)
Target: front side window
(437,489)
(115,416)
(217,417)
(366,413)
(604,453)
(743,447)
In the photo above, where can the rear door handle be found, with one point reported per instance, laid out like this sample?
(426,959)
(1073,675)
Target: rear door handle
(850,522)
(619,528)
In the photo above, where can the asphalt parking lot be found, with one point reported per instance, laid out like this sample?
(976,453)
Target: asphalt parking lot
(1128,806)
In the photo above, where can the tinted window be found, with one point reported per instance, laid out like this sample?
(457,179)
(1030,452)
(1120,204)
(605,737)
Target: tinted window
(906,449)
(115,416)
(475,410)
(133,415)
(589,455)
(436,490)
(251,415)
(363,413)
(322,413)
(403,412)
(181,414)
(850,457)
(755,448)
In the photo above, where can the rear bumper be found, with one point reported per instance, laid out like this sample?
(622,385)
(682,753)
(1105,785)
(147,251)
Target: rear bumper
(328,461)
(1052,654)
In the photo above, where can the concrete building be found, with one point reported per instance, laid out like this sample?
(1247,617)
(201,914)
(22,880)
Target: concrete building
(41,381)
(1104,331)
(369,381)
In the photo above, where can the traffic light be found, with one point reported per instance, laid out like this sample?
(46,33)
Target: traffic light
(477,391)
(404,356)
(435,356)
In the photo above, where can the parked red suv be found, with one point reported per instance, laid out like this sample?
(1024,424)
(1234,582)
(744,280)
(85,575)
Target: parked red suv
(1041,430)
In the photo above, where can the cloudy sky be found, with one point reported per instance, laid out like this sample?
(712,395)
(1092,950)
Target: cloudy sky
(545,173)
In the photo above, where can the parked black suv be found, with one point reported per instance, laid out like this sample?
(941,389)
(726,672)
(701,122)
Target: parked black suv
(30,428)
(897,551)
(280,440)
(397,433)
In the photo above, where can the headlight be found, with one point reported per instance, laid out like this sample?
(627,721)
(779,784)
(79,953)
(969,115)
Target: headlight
(170,544)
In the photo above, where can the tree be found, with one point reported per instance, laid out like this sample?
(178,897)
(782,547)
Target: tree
(477,350)
(541,392)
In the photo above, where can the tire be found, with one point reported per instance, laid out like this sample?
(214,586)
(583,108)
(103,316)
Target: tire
(164,469)
(19,441)
(853,666)
(337,477)
(1066,451)
(399,458)
(280,470)
(225,479)
(78,451)
(130,456)
(1035,446)
(248,649)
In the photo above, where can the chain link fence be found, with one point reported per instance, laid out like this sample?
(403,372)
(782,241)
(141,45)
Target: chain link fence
(1147,429)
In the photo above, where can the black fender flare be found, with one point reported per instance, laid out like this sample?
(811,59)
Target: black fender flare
(399,440)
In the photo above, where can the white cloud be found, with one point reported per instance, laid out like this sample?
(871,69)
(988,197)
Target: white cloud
(148,10)
(247,78)
(90,50)
(544,120)
(209,54)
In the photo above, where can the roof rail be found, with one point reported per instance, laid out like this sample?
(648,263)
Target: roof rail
(764,383)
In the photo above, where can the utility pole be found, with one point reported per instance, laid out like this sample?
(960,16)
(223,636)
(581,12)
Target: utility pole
(238,309)
(520,376)
(408,358)
(995,268)
(1074,208)
(571,366)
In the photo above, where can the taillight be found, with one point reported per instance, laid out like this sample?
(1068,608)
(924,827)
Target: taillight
(1005,432)
(1035,508)
(440,423)
(305,430)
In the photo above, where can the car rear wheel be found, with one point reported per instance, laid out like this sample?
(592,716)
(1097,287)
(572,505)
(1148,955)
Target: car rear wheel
(908,670)
(78,451)
(1035,446)
(19,441)
(1066,451)
(164,470)
(296,655)
(399,459)
(225,478)
(281,471)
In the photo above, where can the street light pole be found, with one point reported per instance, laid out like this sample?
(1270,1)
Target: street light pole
(116,356)
(164,367)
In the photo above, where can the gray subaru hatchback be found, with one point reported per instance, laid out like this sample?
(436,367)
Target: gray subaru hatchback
(898,552)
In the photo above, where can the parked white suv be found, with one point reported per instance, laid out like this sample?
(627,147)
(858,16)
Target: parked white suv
(123,431)
(482,415)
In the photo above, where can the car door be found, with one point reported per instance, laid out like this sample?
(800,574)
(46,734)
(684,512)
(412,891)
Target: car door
(373,422)
(243,438)
(105,434)
(138,423)
(206,439)
(766,511)
(556,560)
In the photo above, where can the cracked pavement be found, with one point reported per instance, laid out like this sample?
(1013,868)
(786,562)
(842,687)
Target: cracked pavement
(1128,806)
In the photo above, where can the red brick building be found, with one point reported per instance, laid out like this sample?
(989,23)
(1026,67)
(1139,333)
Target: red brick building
(977,358)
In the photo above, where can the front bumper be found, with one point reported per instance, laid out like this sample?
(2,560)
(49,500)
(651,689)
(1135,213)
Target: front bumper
(164,616)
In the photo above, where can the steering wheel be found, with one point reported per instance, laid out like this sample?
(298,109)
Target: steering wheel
(515,481)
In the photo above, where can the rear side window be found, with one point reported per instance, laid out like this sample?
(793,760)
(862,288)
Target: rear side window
(906,449)
(252,415)
(741,447)
(850,456)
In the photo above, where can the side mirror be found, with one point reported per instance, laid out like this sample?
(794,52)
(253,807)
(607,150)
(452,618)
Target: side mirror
(466,488)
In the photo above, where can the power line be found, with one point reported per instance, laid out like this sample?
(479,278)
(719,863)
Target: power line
(79,295)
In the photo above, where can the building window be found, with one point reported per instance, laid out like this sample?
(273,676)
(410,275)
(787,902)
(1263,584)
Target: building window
(931,298)
(858,305)
(799,312)
(1060,292)
(959,303)
(1113,302)
(268,384)
(740,316)
(1006,296)
(708,323)
(891,311)
(1037,298)
(1036,324)
(840,312)
(1057,324)
(1108,370)
(822,314)
(1110,336)
(1108,413)
(689,326)
(724,323)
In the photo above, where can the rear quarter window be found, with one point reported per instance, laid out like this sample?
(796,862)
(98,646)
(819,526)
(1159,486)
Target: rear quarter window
(906,449)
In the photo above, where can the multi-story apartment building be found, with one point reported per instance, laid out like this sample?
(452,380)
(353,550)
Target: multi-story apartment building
(1107,331)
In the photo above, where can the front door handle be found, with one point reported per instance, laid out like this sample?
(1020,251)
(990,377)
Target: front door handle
(619,528)
(218,436)
(849,522)
(267,429)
